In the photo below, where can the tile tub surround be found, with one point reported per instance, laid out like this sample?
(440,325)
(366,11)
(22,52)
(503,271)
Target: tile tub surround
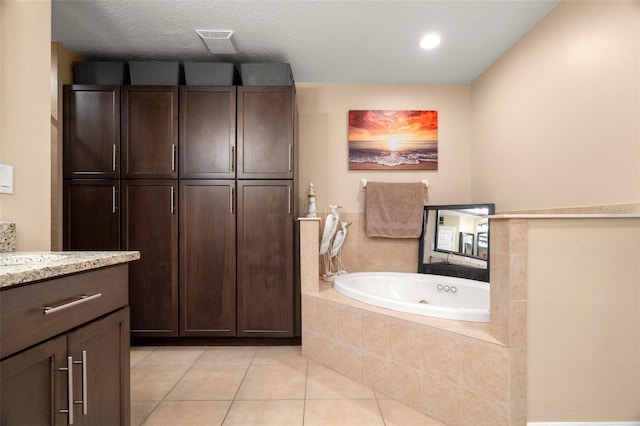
(7,237)
(362,253)
(22,267)
(457,372)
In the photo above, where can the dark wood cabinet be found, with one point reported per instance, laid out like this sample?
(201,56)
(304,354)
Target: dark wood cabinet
(458,271)
(207,258)
(265,258)
(102,351)
(35,390)
(32,390)
(265,136)
(207,132)
(91,214)
(150,225)
(149,126)
(91,132)
(226,157)
(73,362)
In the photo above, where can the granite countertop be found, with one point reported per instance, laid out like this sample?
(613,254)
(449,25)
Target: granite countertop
(23,267)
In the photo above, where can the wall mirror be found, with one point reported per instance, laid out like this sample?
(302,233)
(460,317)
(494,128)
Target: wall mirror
(455,241)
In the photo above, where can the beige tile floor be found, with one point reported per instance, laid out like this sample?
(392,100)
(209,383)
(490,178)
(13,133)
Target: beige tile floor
(251,385)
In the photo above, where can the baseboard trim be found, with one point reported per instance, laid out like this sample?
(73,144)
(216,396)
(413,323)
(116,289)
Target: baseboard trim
(215,341)
(632,423)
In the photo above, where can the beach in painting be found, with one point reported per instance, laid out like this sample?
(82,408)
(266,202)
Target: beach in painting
(406,155)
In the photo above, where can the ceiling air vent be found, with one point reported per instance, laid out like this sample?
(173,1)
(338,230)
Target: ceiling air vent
(219,41)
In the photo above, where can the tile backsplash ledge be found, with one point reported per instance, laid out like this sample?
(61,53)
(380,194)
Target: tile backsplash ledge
(7,237)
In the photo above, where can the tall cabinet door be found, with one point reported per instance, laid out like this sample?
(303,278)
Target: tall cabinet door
(100,350)
(265,134)
(32,388)
(91,214)
(207,258)
(207,132)
(91,136)
(150,225)
(265,258)
(150,132)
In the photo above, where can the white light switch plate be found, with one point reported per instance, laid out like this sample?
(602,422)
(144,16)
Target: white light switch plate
(6,179)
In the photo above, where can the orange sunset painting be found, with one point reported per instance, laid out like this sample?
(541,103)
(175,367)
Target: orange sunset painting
(393,140)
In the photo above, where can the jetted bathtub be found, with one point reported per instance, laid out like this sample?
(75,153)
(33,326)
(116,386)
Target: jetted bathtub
(421,294)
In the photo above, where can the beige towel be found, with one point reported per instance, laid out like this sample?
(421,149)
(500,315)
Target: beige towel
(394,210)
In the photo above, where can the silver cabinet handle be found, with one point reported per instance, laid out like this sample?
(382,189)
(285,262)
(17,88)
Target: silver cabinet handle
(173,205)
(50,310)
(233,158)
(84,382)
(289,200)
(69,370)
(173,157)
(289,155)
(113,202)
(231,201)
(113,158)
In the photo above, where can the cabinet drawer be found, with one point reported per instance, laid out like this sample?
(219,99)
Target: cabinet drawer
(73,300)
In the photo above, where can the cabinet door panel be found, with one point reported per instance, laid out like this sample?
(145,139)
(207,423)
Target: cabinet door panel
(207,132)
(105,346)
(265,258)
(33,390)
(91,214)
(91,132)
(149,131)
(150,225)
(207,258)
(265,133)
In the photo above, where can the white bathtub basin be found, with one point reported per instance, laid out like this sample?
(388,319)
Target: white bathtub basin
(422,294)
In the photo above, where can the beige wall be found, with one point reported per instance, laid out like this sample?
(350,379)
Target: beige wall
(556,120)
(61,73)
(25,136)
(553,123)
(323,140)
(583,320)
(556,123)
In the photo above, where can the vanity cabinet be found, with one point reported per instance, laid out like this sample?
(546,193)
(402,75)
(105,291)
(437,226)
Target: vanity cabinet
(62,352)
(35,388)
(91,136)
(150,225)
(99,200)
(32,390)
(149,126)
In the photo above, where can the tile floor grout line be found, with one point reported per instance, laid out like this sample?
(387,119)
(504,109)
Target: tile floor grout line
(384,422)
(230,402)
(164,398)
(158,402)
(239,386)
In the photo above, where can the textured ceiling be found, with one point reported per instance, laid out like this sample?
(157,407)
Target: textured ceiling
(328,41)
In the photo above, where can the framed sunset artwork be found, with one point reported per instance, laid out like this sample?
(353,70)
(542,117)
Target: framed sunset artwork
(393,140)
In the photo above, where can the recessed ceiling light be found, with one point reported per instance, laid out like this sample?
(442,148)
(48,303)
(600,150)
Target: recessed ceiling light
(430,41)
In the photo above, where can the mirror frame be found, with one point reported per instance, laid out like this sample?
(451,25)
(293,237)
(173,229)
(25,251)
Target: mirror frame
(448,269)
